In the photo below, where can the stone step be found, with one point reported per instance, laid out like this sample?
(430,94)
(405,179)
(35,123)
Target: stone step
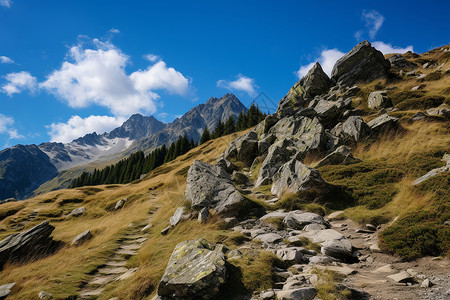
(102,279)
(112,270)
(131,247)
(132,237)
(116,263)
(126,252)
(90,293)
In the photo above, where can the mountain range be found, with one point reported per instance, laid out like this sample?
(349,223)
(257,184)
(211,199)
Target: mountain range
(23,168)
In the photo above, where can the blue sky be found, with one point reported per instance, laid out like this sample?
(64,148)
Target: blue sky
(72,67)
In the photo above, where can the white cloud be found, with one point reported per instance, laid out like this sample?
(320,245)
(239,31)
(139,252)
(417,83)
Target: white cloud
(6,3)
(6,126)
(17,82)
(6,60)
(373,21)
(152,57)
(97,76)
(78,126)
(327,59)
(387,48)
(114,30)
(242,83)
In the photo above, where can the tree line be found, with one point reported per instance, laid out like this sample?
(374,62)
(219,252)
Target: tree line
(132,167)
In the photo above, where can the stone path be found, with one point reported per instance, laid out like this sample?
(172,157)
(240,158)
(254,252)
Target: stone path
(115,269)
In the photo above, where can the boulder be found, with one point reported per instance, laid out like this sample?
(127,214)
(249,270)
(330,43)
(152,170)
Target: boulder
(337,248)
(196,270)
(32,242)
(294,176)
(290,255)
(5,290)
(383,123)
(210,186)
(120,204)
(264,144)
(294,100)
(315,82)
(306,293)
(341,156)
(298,219)
(268,123)
(378,100)
(82,237)
(441,110)
(402,277)
(308,131)
(166,230)
(354,128)
(203,215)
(227,165)
(362,64)
(328,111)
(177,216)
(269,238)
(243,148)
(398,61)
(77,212)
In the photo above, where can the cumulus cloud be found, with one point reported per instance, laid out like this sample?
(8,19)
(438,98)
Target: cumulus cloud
(327,59)
(6,60)
(78,126)
(6,3)
(114,30)
(387,48)
(97,76)
(242,83)
(7,127)
(152,57)
(373,21)
(17,82)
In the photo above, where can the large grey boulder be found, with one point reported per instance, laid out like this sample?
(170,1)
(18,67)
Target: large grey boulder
(379,99)
(210,186)
(333,243)
(32,242)
(383,123)
(305,293)
(398,61)
(315,82)
(243,148)
(196,270)
(290,255)
(298,219)
(327,110)
(294,100)
(341,156)
(363,63)
(353,128)
(309,131)
(294,176)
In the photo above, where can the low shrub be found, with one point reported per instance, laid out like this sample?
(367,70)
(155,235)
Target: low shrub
(421,103)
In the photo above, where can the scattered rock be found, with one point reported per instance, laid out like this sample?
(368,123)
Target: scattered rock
(45,296)
(419,116)
(146,228)
(32,242)
(294,176)
(441,110)
(337,248)
(298,219)
(418,87)
(177,216)
(6,289)
(362,64)
(383,123)
(203,215)
(385,269)
(379,99)
(341,156)
(307,293)
(234,254)
(82,237)
(210,186)
(402,277)
(165,230)
(398,61)
(426,283)
(371,227)
(290,255)
(354,128)
(196,270)
(269,238)
(120,204)
(77,212)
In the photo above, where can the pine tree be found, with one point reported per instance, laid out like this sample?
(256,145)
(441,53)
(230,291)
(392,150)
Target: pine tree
(205,136)
(230,126)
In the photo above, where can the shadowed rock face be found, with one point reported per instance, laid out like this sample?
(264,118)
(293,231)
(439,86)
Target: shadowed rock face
(196,270)
(34,242)
(363,63)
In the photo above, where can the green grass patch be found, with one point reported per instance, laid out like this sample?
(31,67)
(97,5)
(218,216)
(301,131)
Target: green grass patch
(425,102)
(327,285)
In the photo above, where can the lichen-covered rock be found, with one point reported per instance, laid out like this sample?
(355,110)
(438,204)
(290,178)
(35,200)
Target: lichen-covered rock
(294,176)
(243,148)
(379,99)
(298,219)
(227,165)
(383,123)
(29,243)
(362,64)
(353,128)
(308,131)
(196,270)
(341,156)
(210,186)
(398,61)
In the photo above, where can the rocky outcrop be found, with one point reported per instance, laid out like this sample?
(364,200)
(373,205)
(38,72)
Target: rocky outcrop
(196,270)
(341,156)
(353,129)
(315,82)
(398,61)
(210,186)
(33,242)
(244,148)
(294,176)
(298,219)
(379,99)
(363,63)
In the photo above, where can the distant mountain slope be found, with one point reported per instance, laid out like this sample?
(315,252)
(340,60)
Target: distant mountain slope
(22,169)
(137,133)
